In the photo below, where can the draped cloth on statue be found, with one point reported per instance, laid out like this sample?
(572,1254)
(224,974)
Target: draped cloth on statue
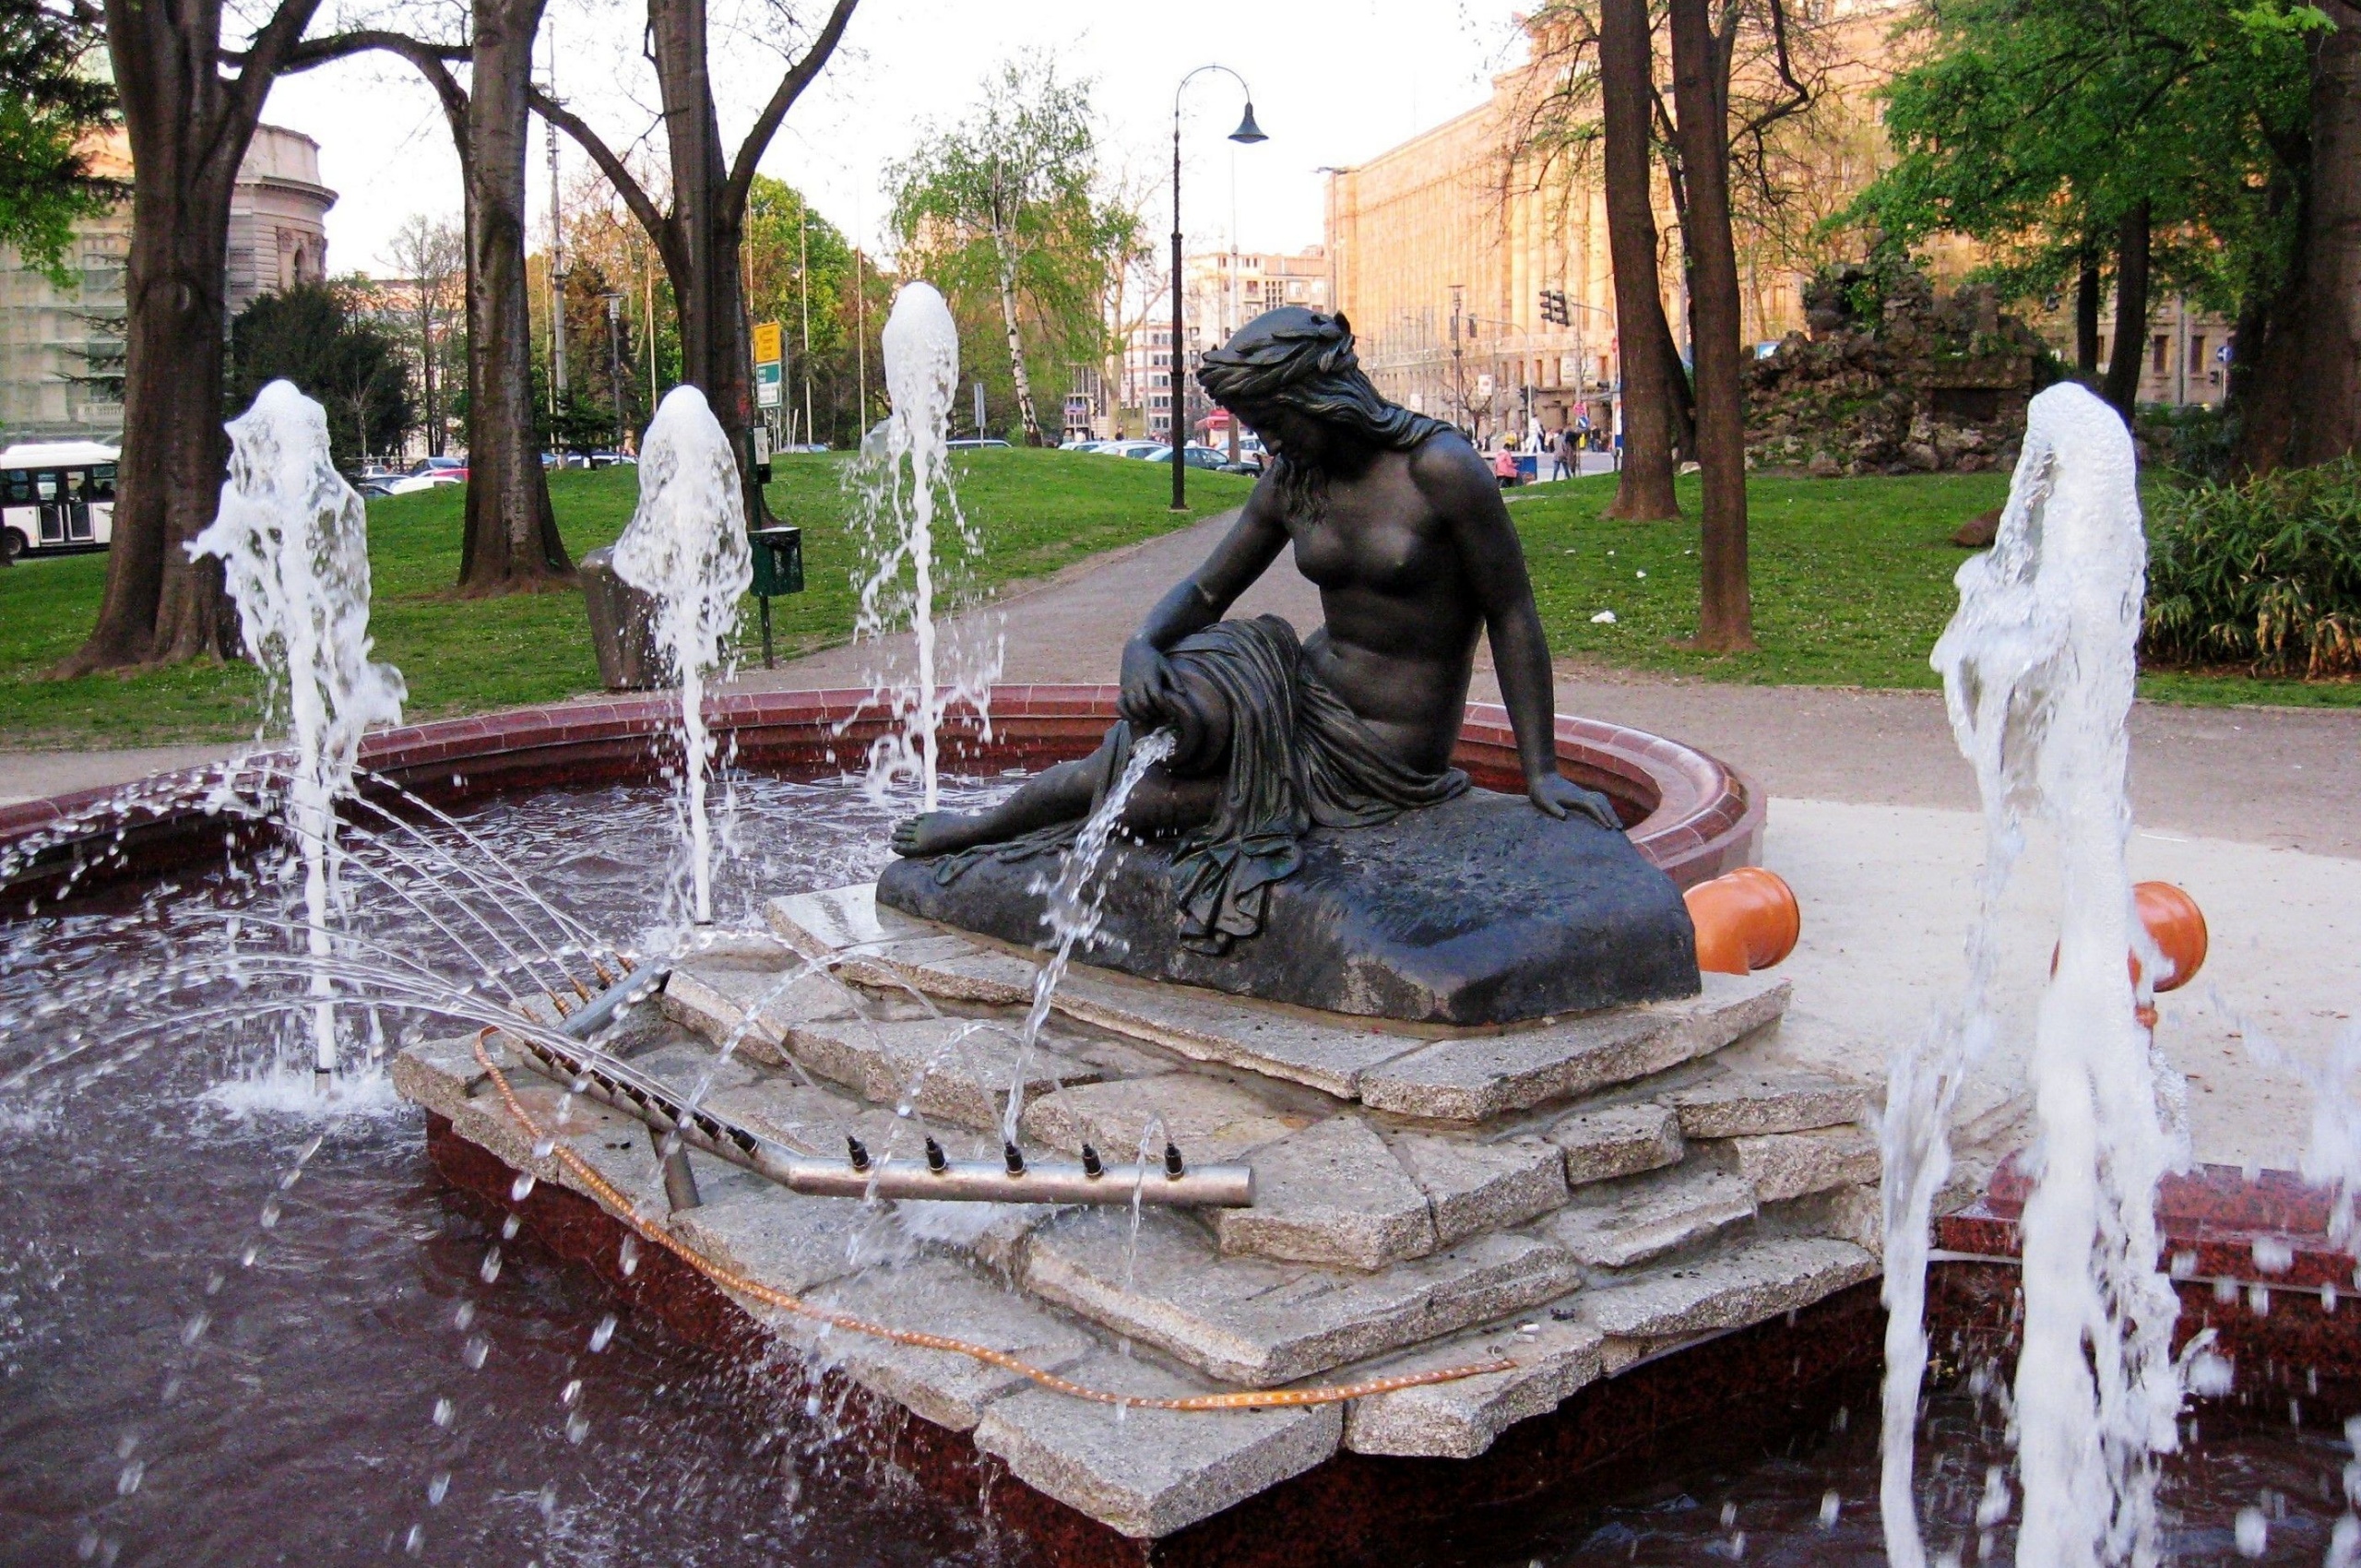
(1299,756)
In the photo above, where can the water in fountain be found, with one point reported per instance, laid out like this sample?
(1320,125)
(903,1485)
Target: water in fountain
(1075,900)
(2037,670)
(293,542)
(686,548)
(902,491)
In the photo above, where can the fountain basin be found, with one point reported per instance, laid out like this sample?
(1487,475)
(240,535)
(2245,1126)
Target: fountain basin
(1688,814)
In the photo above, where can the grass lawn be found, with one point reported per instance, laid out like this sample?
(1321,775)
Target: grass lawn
(1038,512)
(1852,585)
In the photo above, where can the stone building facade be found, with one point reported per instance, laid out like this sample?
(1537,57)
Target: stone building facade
(61,349)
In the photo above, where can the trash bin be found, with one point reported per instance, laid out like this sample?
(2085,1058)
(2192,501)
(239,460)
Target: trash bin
(621,622)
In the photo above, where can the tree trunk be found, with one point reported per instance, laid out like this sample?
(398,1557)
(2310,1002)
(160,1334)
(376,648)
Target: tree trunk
(2327,391)
(1016,348)
(2087,314)
(717,346)
(1643,345)
(512,539)
(188,130)
(1725,614)
(2130,312)
(2268,344)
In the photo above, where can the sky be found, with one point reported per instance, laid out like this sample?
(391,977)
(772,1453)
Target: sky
(1334,83)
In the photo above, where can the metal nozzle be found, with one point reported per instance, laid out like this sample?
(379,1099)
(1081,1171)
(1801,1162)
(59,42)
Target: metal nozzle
(1015,1158)
(936,1160)
(1173,1168)
(1091,1165)
(856,1152)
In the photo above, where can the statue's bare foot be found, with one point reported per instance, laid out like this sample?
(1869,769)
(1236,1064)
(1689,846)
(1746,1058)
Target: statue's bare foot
(938,833)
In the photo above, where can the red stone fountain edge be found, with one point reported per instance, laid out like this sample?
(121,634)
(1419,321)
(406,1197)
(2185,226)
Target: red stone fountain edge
(1689,813)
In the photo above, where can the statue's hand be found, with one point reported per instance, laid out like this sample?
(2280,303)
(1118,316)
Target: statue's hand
(1150,688)
(1556,796)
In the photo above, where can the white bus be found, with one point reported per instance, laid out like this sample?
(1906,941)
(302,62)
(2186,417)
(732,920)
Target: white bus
(56,497)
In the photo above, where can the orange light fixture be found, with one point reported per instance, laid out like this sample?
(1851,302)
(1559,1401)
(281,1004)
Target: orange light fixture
(1745,920)
(2177,926)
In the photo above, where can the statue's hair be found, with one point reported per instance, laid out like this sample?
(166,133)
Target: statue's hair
(1301,360)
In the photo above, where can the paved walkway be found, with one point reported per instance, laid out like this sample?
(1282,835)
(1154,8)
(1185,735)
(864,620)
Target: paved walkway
(2257,812)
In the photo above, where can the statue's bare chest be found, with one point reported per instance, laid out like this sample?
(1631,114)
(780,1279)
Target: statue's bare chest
(1376,537)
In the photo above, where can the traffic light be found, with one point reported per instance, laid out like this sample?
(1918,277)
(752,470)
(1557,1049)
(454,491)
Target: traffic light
(1554,308)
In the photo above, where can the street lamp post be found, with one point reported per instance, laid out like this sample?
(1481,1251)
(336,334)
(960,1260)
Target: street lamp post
(1249,133)
(615,358)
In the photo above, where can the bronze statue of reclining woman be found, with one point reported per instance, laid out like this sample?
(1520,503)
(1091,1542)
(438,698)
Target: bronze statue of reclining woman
(1399,523)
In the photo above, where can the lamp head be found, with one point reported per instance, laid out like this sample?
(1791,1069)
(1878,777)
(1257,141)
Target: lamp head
(1248,131)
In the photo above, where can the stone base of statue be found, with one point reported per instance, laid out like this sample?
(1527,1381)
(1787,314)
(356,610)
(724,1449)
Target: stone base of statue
(1480,910)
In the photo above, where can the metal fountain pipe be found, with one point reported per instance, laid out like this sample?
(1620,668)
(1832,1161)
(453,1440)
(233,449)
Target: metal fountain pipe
(1014,1178)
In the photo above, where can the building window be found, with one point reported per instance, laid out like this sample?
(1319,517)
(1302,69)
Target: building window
(2157,348)
(1161,401)
(2197,348)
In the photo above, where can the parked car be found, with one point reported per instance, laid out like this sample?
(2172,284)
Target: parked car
(428,473)
(1129,449)
(613,460)
(370,489)
(1080,446)
(970,442)
(1197,456)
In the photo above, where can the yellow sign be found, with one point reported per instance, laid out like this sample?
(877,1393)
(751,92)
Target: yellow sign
(766,343)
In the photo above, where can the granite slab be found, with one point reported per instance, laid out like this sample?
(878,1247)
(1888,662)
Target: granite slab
(1262,1323)
(1472,1077)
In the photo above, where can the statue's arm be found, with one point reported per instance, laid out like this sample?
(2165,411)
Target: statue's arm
(1198,601)
(1463,491)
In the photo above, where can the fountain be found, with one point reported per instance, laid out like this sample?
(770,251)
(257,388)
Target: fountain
(904,491)
(1498,1247)
(686,549)
(292,539)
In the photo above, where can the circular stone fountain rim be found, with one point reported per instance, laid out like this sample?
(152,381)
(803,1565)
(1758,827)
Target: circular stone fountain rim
(1703,816)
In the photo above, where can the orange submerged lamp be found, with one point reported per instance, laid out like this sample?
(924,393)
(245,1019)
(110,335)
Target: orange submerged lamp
(1747,919)
(2177,926)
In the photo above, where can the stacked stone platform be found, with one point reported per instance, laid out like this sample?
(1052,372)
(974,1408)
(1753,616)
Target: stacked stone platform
(1576,1197)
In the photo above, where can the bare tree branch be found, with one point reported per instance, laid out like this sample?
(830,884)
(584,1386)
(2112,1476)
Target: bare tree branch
(790,87)
(661,229)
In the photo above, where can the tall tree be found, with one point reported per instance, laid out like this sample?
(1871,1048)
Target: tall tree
(320,336)
(1700,96)
(49,108)
(701,235)
(1652,401)
(2159,138)
(2314,333)
(430,254)
(511,542)
(1591,91)
(2134,236)
(1005,205)
(190,105)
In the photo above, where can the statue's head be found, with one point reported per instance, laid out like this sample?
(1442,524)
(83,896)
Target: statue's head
(1291,373)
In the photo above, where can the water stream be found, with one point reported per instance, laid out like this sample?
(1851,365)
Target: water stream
(903,497)
(2038,668)
(292,539)
(1077,896)
(687,546)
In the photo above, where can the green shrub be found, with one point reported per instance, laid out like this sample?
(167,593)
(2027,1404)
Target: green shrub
(2266,574)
